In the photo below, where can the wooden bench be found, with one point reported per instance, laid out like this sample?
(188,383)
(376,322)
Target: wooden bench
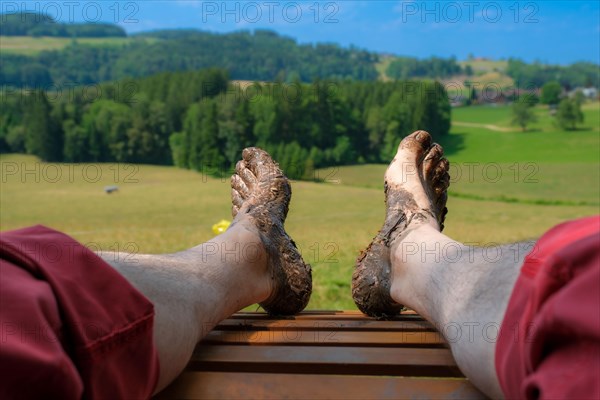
(322,355)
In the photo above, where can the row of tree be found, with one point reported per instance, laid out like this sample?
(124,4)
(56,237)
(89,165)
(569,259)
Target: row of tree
(566,110)
(535,75)
(202,121)
(261,55)
(433,67)
(35,24)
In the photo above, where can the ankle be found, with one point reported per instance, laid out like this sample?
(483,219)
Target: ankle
(416,266)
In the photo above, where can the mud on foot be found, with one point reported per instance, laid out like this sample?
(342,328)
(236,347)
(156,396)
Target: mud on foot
(261,192)
(416,184)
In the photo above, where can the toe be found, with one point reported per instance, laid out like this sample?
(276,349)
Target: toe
(440,188)
(246,175)
(249,153)
(239,186)
(432,160)
(264,168)
(240,165)
(417,142)
(440,203)
(257,160)
(442,217)
(421,138)
(440,170)
(267,174)
(236,198)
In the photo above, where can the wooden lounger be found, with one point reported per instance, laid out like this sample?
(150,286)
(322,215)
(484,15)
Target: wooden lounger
(322,355)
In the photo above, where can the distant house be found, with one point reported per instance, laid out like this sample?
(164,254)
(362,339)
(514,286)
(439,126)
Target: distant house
(588,92)
(504,96)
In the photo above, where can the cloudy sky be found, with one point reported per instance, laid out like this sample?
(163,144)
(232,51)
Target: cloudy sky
(550,31)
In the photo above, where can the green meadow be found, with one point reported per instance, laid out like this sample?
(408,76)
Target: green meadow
(506,186)
(29,45)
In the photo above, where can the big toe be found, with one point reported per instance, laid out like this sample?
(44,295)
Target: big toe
(265,180)
(418,141)
(259,162)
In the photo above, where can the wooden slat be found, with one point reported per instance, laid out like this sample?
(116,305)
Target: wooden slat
(217,385)
(326,360)
(326,315)
(312,325)
(322,354)
(326,338)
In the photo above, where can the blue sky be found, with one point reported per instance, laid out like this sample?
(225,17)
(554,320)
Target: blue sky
(550,31)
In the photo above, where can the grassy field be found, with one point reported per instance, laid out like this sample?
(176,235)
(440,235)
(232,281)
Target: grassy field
(547,177)
(382,66)
(27,45)
(483,66)
(532,165)
(501,116)
(164,209)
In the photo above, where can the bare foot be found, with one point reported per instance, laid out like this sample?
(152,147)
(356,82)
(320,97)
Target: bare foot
(261,195)
(416,184)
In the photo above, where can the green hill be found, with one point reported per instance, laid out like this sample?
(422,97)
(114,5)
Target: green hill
(103,53)
(34,24)
(546,166)
(259,55)
(31,46)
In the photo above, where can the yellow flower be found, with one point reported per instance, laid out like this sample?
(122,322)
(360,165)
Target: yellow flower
(220,226)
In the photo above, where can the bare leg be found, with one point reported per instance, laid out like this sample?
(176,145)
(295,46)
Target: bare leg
(250,263)
(462,290)
(195,289)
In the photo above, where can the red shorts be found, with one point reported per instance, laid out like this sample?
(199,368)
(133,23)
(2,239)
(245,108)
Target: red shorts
(549,342)
(71,326)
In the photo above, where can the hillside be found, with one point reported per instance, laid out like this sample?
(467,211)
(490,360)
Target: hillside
(37,52)
(32,46)
(33,24)
(536,168)
(258,55)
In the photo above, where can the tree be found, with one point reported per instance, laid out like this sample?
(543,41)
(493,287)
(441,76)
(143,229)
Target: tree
(202,127)
(42,136)
(75,142)
(569,114)
(551,93)
(432,109)
(472,95)
(178,150)
(105,125)
(376,127)
(522,113)
(188,119)
(579,97)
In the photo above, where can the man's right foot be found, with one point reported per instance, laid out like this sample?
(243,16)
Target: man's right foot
(416,184)
(260,196)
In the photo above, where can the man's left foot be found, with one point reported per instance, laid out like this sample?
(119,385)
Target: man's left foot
(416,182)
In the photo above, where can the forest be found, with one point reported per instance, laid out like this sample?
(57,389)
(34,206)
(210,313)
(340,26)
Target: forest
(535,75)
(35,24)
(433,67)
(201,120)
(259,55)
